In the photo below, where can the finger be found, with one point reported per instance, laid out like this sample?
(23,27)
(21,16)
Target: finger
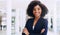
(42,30)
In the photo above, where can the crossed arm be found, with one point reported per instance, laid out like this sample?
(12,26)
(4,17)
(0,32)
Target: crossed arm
(27,33)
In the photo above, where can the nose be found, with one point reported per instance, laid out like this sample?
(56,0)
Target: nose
(36,10)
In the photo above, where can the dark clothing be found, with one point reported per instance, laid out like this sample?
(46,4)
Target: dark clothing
(41,24)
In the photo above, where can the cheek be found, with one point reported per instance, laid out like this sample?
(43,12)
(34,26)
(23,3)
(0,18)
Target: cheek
(40,11)
(34,12)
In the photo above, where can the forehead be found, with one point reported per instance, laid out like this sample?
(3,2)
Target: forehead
(37,6)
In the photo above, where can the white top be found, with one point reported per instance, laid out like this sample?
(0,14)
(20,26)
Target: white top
(33,27)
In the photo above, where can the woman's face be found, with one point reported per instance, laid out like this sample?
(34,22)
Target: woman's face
(37,11)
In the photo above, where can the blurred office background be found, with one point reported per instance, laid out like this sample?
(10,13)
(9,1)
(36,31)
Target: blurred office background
(13,16)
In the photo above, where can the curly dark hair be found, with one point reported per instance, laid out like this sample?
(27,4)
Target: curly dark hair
(32,5)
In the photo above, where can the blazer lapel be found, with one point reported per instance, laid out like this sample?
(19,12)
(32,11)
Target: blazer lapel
(38,23)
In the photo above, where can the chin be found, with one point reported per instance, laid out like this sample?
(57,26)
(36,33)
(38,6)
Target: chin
(37,16)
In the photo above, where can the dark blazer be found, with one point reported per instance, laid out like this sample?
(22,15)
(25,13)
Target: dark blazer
(41,23)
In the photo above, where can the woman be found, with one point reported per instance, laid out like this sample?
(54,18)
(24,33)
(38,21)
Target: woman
(36,25)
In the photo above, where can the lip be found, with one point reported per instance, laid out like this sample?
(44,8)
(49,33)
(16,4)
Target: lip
(36,13)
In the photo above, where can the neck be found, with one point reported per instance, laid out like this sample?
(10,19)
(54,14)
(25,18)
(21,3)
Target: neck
(36,18)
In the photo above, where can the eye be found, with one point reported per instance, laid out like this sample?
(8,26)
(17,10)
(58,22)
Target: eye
(38,8)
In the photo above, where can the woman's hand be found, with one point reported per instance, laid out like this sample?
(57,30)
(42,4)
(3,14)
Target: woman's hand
(42,30)
(25,31)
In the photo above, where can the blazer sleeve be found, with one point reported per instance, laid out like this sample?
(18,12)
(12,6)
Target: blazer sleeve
(26,26)
(27,23)
(35,34)
(45,26)
(32,34)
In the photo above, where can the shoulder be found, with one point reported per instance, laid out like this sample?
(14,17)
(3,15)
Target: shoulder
(30,19)
(45,21)
(28,22)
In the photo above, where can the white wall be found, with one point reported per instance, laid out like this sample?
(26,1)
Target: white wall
(21,6)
